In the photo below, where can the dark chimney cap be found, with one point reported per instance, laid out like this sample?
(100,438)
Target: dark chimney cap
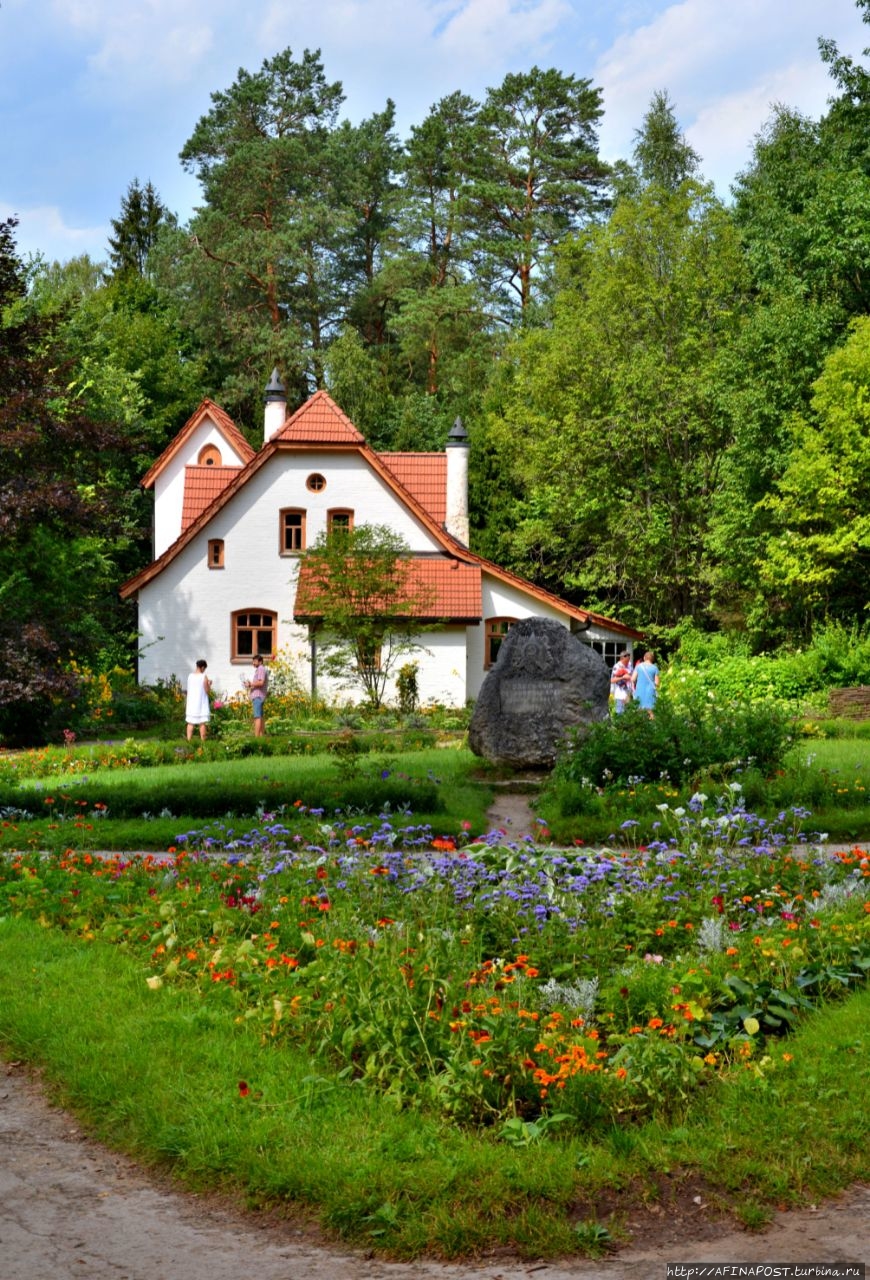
(275,390)
(457,435)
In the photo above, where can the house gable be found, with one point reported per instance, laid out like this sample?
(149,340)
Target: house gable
(252,514)
(205,455)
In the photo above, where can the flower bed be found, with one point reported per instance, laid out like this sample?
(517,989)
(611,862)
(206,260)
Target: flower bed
(496,983)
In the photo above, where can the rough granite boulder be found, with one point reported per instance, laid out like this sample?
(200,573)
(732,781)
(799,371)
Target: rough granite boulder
(544,682)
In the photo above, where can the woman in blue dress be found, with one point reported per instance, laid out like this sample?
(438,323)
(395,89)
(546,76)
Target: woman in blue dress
(646,682)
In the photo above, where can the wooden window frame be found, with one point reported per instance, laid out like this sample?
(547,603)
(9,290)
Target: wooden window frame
(335,512)
(240,621)
(370,660)
(209,456)
(216,553)
(491,633)
(284,550)
(316,482)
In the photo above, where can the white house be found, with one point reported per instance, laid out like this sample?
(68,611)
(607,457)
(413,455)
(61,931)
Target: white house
(231,528)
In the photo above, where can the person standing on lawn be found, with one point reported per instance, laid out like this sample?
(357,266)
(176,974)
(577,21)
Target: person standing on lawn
(257,687)
(198,708)
(620,683)
(646,683)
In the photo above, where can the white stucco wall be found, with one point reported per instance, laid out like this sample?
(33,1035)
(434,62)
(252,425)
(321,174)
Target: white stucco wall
(185,613)
(441,661)
(503,600)
(169,484)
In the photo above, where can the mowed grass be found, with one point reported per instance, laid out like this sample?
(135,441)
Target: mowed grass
(162,802)
(160,1079)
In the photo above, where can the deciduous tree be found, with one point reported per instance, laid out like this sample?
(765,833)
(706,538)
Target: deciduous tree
(361,593)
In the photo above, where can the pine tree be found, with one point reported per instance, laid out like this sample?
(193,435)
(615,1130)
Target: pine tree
(136,230)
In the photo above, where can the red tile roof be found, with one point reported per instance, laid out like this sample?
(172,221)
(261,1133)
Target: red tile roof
(319,421)
(424,475)
(220,418)
(201,486)
(441,589)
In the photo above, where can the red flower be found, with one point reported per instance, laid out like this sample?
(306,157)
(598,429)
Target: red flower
(244,1089)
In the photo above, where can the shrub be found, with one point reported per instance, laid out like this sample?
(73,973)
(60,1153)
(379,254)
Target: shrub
(677,744)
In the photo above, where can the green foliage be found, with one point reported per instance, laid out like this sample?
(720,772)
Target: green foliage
(63,517)
(406,686)
(819,557)
(360,588)
(723,669)
(609,420)
(136,229)
(677,744)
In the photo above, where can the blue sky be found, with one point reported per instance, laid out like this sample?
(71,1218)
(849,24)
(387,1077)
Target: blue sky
(94,93)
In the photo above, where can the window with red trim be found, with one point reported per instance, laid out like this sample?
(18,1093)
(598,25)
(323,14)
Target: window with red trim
(339,520)
(253,632)
(292,530)
(496,630)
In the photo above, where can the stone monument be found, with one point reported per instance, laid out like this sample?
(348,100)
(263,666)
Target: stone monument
(544,682)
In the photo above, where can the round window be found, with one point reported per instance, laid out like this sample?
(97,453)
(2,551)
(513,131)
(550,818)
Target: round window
(316,482)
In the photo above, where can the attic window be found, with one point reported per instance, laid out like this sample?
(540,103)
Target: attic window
(316,482)
(209,456)
(216,553)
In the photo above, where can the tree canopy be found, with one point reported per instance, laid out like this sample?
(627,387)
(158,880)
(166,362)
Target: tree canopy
(664,392)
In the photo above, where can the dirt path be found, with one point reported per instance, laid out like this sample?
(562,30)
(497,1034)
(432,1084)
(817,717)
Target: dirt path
(69,1209)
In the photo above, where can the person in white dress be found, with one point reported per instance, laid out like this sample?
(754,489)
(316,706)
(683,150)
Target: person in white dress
(198,710)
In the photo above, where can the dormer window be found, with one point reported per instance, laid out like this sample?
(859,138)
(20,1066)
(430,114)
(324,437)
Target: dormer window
(209,456)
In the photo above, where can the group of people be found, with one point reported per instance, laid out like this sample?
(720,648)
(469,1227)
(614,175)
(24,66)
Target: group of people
(640,682)
(198,707)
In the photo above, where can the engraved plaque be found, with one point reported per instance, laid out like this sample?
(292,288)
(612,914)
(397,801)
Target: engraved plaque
(527,697)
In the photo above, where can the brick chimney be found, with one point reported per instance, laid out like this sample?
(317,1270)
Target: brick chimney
(456,522)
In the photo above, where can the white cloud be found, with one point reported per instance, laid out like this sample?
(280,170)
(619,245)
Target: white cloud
(143,46)
(723,66)
(416,51)
(42,229)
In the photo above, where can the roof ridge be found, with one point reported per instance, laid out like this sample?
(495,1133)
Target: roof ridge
(329,423)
